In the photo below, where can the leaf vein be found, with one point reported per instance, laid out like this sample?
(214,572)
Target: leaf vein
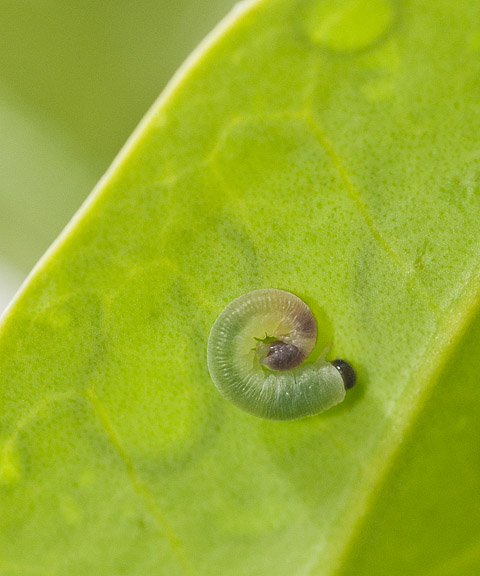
(139,486)
(406,268)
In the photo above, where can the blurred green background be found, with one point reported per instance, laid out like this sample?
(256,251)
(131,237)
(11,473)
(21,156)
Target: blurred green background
(75,80)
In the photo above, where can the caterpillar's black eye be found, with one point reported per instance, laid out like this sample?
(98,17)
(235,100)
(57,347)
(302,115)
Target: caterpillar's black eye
(347,371)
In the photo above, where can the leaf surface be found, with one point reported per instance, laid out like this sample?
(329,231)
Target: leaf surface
(66,108)
(326,148)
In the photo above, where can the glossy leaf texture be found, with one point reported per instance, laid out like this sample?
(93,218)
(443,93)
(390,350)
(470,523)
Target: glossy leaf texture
(66,107)
(326,148)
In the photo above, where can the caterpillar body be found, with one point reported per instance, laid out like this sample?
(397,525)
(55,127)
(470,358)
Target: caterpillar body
(256,352)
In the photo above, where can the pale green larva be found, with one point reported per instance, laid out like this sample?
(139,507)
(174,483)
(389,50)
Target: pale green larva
(256,352)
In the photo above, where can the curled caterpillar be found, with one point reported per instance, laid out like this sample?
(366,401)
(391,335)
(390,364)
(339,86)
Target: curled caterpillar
(256,352)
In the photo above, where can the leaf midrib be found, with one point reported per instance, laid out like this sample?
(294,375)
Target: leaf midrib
(449,334)
(448,337)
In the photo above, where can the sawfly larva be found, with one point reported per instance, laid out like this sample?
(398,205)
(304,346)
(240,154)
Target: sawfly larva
(256,357)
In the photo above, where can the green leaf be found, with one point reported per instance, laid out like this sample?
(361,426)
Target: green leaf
(326,148)
(94,67)
(62,117)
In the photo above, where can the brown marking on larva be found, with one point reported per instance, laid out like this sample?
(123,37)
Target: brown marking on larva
(307,323)
(283,356)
